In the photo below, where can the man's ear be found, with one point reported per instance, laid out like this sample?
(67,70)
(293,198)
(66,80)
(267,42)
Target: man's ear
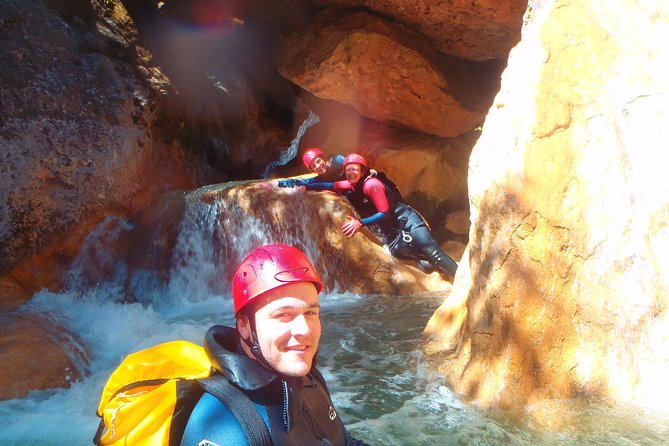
(243,326)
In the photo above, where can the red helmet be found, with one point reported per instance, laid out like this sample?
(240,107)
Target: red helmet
(269,267)
(310,154)
(355,158)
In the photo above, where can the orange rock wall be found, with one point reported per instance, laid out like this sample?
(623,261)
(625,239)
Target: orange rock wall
(563,287)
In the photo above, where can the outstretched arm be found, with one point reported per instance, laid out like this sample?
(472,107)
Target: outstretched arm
(291,182)
(324,185)
(339,187)
(373,218)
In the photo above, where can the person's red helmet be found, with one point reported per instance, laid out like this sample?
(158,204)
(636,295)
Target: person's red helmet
(310,154)
(355,158)
(270,267)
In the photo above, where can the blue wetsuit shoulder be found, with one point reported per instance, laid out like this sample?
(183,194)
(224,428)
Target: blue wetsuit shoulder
(211,420)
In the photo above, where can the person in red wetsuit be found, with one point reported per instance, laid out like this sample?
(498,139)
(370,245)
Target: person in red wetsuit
(381,207)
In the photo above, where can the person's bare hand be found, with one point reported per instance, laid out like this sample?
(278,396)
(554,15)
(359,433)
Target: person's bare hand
(293,190)
(352,226)
(267,185)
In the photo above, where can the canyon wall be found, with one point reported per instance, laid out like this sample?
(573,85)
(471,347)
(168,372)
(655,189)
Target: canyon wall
(564,286)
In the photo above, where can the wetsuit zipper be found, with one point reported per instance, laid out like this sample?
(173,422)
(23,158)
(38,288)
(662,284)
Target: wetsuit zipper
(286,413)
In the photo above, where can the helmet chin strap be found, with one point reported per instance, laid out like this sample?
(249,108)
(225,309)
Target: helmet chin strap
(254,345)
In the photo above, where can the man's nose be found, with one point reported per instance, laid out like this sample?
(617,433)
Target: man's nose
(300,326)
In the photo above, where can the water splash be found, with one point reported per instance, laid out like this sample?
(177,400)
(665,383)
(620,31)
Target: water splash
(290,153)
(97,261)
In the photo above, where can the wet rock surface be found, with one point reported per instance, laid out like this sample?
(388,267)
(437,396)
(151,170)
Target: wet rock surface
(36,354)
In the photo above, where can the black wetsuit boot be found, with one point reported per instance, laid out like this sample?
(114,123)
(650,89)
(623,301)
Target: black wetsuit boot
(426,266)
(442,261)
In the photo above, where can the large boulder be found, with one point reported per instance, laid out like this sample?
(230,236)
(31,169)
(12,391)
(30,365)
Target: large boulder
(35,354)
(474,30)
(563,288)
(384,70)
(258,213)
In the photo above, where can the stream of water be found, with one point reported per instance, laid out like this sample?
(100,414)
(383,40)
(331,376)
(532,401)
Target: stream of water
(370,355)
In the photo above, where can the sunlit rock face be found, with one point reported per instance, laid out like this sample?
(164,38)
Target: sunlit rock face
(563,289)
(385,71)
(36,354)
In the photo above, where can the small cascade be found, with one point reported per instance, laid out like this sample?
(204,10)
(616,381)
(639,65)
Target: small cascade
(290,153)
(97,263)
(152,266)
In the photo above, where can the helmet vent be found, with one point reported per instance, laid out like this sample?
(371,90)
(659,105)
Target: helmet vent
(293,275)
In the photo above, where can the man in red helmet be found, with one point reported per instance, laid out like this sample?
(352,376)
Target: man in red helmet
(270,356)
(326,168)
(380,204)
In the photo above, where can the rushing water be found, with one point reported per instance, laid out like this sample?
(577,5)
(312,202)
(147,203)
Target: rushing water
(370,353)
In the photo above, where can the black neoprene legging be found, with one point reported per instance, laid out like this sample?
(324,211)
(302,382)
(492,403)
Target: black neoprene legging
(414,241)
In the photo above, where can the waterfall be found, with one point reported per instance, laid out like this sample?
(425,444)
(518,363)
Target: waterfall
(290,153)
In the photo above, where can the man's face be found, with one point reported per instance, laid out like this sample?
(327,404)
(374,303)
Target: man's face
(288,327)
(318,165)
(353,172)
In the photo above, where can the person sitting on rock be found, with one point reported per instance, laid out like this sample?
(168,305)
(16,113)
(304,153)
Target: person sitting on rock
(381,207)
(328,169)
